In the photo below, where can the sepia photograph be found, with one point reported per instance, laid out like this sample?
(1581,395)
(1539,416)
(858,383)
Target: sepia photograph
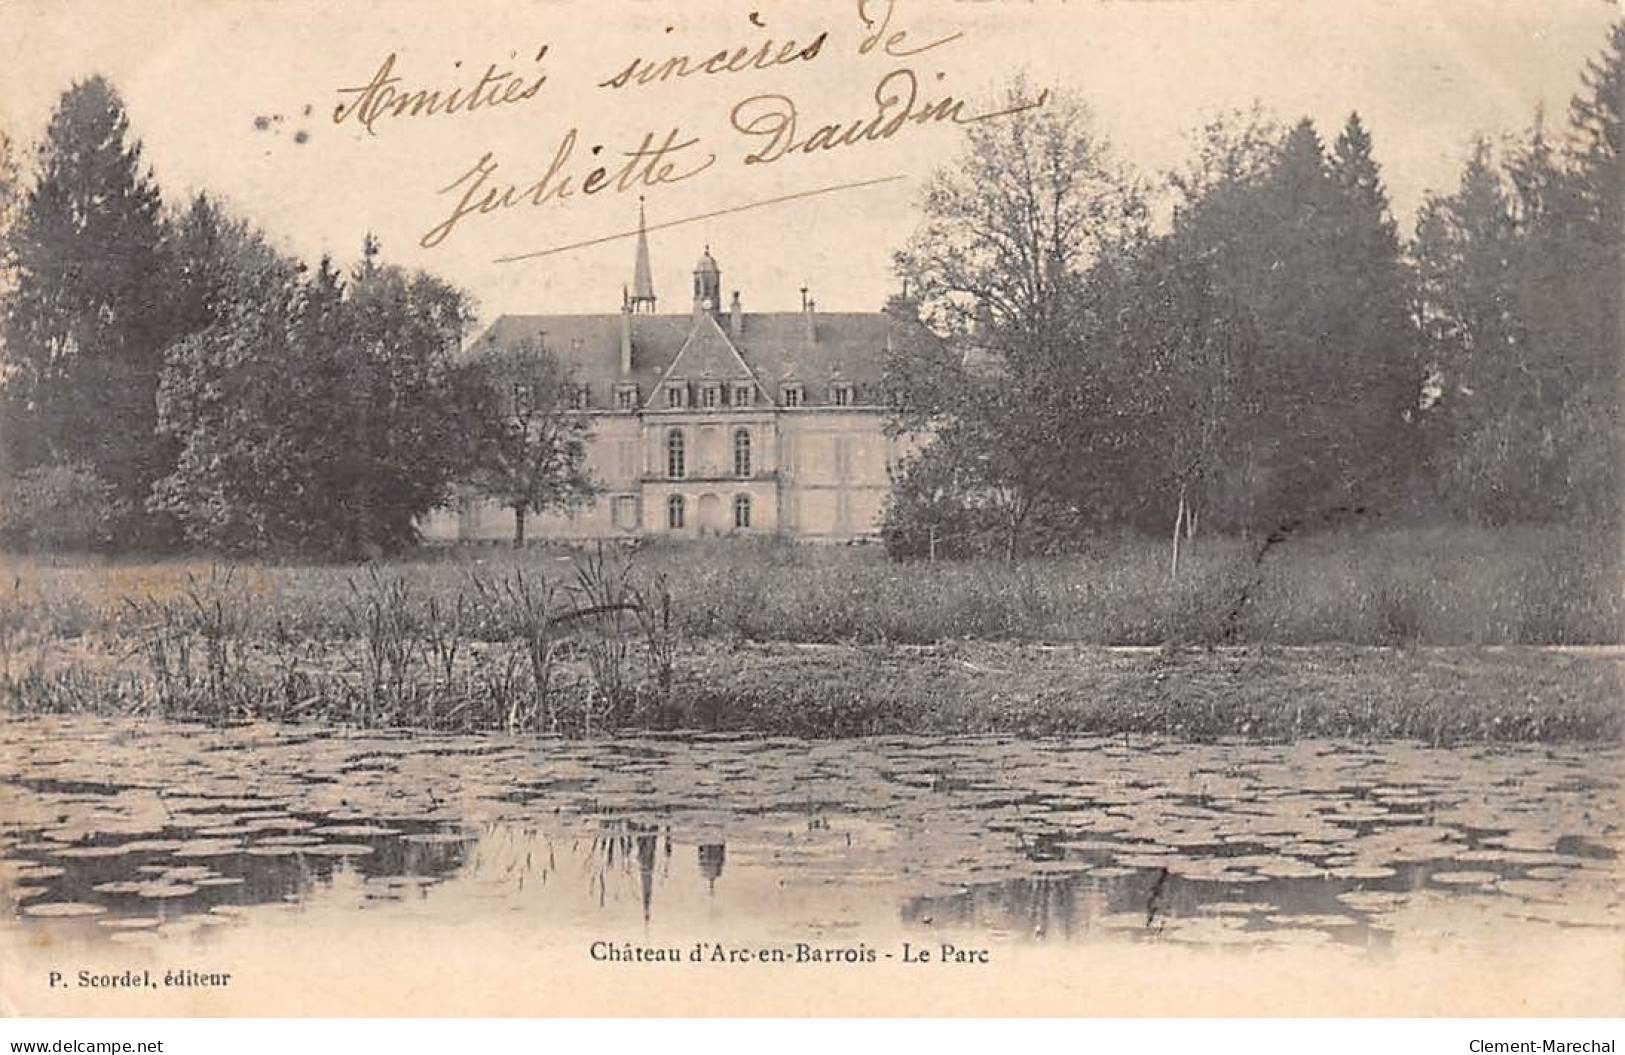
(997,508)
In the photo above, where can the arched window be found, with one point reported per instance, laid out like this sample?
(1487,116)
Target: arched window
(742,511)
(674,512)
(742,452)
(674,454)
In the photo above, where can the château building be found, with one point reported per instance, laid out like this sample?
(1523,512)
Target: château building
(716,421)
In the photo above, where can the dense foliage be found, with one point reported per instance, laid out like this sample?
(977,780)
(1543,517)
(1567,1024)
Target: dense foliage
(1278,357)
(171,378)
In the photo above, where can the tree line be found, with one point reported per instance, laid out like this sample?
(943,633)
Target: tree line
(171,379)
(1249,345)
(1273,354)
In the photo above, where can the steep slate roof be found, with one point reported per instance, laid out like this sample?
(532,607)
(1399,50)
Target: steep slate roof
(849,347)
(707,354)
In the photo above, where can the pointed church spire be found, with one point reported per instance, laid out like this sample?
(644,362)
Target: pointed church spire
(643,286)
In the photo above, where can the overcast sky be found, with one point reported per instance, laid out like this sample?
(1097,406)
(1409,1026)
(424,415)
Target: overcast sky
(218,91)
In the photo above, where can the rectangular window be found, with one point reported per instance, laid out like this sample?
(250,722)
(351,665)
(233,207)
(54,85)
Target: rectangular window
(790,395)
(581,398)
(841,395)
(675,396)
(742,511)
(674,512)
(675,451)
(710,396)
(744,395)
(626,397)
(626,512)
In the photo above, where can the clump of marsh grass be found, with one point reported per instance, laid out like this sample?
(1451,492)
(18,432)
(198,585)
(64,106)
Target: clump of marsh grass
(195,646)
(605,588)
(656,620)
(530,604)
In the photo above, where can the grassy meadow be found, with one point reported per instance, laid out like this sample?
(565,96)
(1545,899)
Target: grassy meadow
(826,641)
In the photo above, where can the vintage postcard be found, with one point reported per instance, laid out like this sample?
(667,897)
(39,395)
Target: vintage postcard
(855,507)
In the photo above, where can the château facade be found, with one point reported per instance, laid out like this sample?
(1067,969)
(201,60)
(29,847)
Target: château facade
(712,422)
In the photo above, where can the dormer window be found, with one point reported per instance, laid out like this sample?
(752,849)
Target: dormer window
(581,398)
(840,394)
(676,396)
(626,397)
(710,396)
(744,395)
(790,394)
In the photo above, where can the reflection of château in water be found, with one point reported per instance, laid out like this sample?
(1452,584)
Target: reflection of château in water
(712,856)
(640,845)
(714,421)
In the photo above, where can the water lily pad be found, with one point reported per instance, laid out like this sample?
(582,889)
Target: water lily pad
(288,840)
(118,886)
(1372,900)
(337,849)
(129,922)
(357,831)
(166,891)
(77,852)
(152,845)
(1464,878)
(433,838)
(1238,908)
(280,824)
(1367,872)
(210,849)
(219,881)
(1290,869)
(1142,861)
(63,909)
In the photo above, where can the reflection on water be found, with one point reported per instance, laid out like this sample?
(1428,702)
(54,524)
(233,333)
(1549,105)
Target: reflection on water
(133,832)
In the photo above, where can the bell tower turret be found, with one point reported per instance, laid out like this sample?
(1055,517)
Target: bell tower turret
(707,283)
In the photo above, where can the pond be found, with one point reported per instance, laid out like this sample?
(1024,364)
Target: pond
(145,833)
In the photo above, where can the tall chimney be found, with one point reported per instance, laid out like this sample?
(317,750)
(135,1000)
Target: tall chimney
(736,316)
(626,340)
(808,306)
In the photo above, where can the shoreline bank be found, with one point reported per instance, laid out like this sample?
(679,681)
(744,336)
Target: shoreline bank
(1436,695)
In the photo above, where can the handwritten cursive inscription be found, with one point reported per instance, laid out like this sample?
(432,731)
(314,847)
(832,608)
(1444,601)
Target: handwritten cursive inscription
(763,56)
(382,97)
(650,165)
(774,119)
(891,41)
(771,126)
